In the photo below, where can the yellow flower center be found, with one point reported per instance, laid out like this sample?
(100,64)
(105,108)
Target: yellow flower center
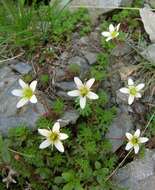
(27,93)
(133,91)
(84,91)
(113,34)
(135,140)
(53,136)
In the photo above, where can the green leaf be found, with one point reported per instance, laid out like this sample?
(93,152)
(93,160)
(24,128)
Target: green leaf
(78,186)
(68,186)
(97,165)
(22,2)
(45,173)
(58,180)
(1,142)
(5,152)
(68,176)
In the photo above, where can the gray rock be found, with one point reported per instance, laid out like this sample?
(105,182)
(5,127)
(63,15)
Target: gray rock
(66,86)
(98,7)
(95,3)
(139,108)
(69,117)
(91,57)
(59,74)
(84,40)
(139,174)
(82,63)
(121,50)
(28,115)
(78,60)
(10,116)
(117,130)
(121,97)
(149,98)
(152,3)
(64,95)
(101,3)
(149,54)
(64,55)
(21,67)
(126,2)
(5,72)
(115,84)
(125,108)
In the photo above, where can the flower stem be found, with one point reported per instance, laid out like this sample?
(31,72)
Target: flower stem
(149,122)
(16,152)
(120,164)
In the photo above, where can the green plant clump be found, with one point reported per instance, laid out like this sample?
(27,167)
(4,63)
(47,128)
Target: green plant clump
(58,106)
(74,69)
(86,150)
(28,26)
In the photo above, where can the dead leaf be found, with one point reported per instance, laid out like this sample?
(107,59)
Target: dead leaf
(148,18)
(126,71)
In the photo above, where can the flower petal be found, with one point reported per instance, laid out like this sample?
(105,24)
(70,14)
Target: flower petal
(129,136)
(44,132)
(58,144)
(22,83)
(143,139)
(138,95)
(17,93)
(124,90)
(137,133)
(117,27)
(140,86)
(109,38)
(136,148)
(130,99)
(74,93)
(128,146)
(92,95)
(78,82)
(90,82)
(33,99)
(106,34)
(63,136)
(130,82)
(56,127)
(33,85)
(22,102)
(117,34)
(111,28)
(82,102)
(45,144)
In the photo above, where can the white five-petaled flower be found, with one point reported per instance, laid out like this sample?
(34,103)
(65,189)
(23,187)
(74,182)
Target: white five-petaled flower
(135,140)
(27,93)
(113,32)
(53,137)
(132,90)
(83,91)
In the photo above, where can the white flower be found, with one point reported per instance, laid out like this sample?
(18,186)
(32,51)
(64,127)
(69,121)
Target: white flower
(53,137)
(113,32)
(27,93)
(135,140)
(83,91)
(132,90)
